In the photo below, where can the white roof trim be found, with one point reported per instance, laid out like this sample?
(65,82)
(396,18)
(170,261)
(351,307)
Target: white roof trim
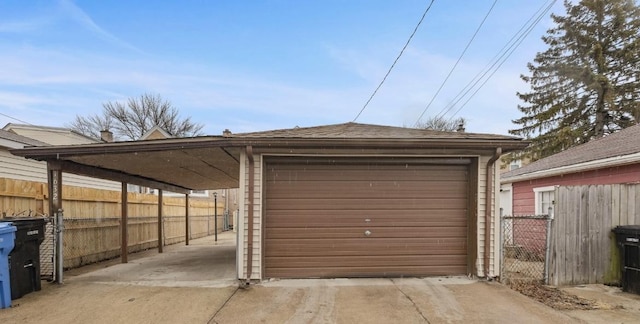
(11,144)
(574,168)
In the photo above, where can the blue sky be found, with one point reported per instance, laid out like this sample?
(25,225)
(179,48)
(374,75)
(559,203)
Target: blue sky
(260,65)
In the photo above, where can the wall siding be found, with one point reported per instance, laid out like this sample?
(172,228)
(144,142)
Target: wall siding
(524,198)
(19,168)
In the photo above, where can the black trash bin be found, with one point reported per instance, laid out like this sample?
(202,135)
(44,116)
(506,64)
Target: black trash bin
(628,238)
(24,260)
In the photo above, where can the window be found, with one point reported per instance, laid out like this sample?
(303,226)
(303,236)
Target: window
(544,199)
(515,164)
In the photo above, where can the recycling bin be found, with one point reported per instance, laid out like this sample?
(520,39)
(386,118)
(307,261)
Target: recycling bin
(24,260)
(628,239)
(7,237)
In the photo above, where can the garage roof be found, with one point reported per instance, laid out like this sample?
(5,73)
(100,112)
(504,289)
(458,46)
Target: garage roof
(213,162)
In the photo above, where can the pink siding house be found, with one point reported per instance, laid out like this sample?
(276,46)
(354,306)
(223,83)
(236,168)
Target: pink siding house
(608,160)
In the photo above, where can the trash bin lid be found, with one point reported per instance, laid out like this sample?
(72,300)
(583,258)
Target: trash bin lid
(627,229)
(7,227)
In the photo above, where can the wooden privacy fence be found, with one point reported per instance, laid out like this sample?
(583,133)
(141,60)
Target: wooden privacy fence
(92,218)
(583,246)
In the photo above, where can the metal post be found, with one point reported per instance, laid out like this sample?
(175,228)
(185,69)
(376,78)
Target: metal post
(124,225)
(501,244)
(160,224)
(186,219)
(547,254)
(59,247)
(215,216)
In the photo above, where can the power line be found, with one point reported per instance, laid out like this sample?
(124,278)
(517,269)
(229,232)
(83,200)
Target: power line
(494,61)
(22,121)
(456,64)
(510,51)
(395,61)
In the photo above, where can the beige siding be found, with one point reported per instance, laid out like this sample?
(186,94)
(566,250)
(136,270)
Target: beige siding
(482,205)
(256,271)
(19,168)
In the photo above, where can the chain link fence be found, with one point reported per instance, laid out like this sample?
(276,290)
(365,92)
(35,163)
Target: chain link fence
(524,248)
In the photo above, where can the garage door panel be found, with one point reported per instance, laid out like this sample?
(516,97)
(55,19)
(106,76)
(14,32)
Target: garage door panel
(440,219)
(369,203)
(354,232)
(363,175)
(364,214)
(316,216)
(365,272)
(354,247)
(369,189)
(368,260)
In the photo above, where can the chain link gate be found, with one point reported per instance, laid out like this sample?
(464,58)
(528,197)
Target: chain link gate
(525,247)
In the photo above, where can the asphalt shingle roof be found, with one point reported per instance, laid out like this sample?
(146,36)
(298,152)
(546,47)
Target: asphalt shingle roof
(624,142)
(363,131)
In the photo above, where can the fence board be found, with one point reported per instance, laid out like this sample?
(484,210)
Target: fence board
(92,218)
(583,247)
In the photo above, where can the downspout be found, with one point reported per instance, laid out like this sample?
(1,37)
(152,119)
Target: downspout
(251,190)
(487,209)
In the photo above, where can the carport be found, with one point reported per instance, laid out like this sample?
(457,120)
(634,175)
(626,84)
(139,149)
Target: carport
(175,165)
(346,200)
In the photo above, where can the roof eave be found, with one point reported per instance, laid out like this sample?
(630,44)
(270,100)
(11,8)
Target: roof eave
(51,152)
(580,167)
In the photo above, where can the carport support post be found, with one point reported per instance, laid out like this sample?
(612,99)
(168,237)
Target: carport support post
(160,243)
(215,216)
(54,175)
(124,224)
(186,219)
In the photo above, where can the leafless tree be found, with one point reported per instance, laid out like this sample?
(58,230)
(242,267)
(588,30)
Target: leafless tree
(130,120)
(443,124)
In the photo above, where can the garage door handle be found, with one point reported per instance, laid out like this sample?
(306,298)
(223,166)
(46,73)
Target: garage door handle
(367,233)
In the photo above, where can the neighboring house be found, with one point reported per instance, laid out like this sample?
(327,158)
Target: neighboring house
(608,160)
(156,132)
(14,136)
(50,135)
(346,200)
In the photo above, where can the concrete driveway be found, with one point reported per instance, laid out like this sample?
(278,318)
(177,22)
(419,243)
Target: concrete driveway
(195,284)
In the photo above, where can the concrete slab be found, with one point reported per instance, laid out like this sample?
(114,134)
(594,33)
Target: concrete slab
(204,263)
(429,300)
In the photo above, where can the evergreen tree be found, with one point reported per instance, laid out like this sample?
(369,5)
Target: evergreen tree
(587,83)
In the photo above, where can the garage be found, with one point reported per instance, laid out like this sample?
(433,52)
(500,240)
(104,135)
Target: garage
(366,217)
(343,200)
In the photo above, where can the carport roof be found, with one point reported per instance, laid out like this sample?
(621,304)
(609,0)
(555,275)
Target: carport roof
(213,162)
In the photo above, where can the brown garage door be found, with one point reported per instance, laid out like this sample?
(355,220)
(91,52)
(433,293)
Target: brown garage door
(365,217)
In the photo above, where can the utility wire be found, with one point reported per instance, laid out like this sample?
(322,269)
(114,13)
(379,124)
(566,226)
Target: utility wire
(496,59)
(22,121)
(520,40)
(456,64)
(395,61)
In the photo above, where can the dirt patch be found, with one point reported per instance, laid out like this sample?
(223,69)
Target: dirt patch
(556,298)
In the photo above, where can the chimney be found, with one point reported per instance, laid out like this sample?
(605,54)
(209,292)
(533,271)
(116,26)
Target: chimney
(106,136)
(226,133)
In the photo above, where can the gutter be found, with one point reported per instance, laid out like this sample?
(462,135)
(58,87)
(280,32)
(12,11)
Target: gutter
(488,208)
(251,189)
